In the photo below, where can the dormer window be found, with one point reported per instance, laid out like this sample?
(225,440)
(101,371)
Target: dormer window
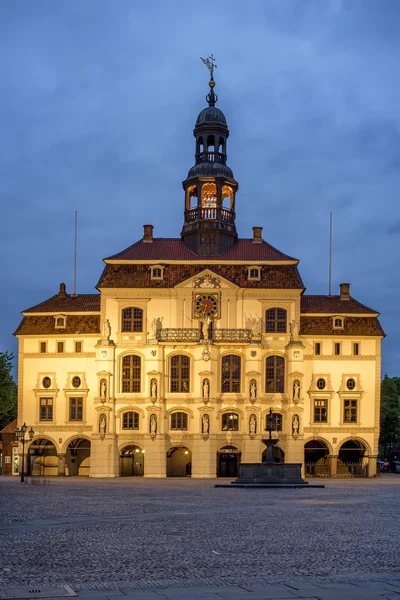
(254,273)
(60,322)
(338,323)
(157,272)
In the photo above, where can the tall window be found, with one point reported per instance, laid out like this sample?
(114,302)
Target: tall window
(60,347)
(317,348)
(350,411)
(130,420)
(337,348)
(179,420)
(275,374)
(132,319)
(43,347)
(320,411)
(131,368)
(180,373)
(76,409)
(230,422)
(231,373)
(78,347)
(275,422)
(46,409)
(275,320)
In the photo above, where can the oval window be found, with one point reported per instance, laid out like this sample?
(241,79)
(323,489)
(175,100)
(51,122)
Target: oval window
(46,382)
(351,384)
(76,382)
(321,383)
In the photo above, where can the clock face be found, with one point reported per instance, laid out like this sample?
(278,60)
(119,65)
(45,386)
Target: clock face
(207,305)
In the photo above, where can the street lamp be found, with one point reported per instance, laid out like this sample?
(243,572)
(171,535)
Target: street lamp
(20,435)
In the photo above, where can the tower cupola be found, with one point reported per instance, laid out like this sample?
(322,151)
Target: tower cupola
(210,187)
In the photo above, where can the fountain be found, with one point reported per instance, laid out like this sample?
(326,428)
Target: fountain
(270,473)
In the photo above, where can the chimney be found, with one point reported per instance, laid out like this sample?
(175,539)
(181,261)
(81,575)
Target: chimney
(257,235)
(345,291)
(62,293)
(147,233)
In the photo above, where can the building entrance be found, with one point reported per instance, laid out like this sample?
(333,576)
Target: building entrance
(131,462)
(228,461)
(77,458)
(179,462)
(350,460)
(42,458)
(316,461)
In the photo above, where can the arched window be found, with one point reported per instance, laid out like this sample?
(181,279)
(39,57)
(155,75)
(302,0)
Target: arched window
(275,421)
(180,373)
(131,371)
(132,319)
(230,422)
(130,420)
(275,320)
(275,374)
(179,420)
(230,373)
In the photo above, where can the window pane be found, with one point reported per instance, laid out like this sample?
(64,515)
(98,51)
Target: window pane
(230,422)
(230,369)
(179,421)
(275,374)
(180,373)
(131,374)
(275,320)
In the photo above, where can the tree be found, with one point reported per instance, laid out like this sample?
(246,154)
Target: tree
(390,416)
(8,390)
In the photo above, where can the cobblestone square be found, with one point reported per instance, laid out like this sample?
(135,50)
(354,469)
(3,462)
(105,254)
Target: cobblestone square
(130,534)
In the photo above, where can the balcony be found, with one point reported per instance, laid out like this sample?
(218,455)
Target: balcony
(193,214)
(195,335)
(211,157)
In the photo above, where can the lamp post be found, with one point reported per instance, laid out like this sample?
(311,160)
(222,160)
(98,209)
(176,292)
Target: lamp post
(20,435)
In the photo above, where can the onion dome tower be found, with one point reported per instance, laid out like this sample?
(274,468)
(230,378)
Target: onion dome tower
(210,187)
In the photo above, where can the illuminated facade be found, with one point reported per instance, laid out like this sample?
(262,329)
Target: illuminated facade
(170,369)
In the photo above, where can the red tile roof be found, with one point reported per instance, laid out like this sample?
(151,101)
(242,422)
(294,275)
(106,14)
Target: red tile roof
(67,304)
(354,326)
(44,324)
(333,305)
(174,249)
(11,427)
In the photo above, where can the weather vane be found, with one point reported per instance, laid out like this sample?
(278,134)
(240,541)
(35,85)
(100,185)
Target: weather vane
(210,64)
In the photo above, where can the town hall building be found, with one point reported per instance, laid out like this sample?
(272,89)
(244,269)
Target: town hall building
(171,368)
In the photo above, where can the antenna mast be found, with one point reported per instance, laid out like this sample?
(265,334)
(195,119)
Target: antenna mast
(330,255)
(75,236)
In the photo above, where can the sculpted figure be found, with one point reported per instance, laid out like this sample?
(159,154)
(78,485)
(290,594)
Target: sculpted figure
(153,328)
(206,389)
(252,424)
(206,424)
(153,389)
(294,331)
(107,329)
(253,389)
(295,424)
(296,388)
(153,424)
(103,389)
(102,424)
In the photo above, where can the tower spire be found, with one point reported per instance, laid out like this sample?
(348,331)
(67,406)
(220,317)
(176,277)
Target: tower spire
(210,64)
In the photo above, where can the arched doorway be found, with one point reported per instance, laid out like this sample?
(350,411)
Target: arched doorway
(77,458)
(351,459)
(279,455)
(316,461)
(179,462)
(42,458)
(228,461)
(131,461)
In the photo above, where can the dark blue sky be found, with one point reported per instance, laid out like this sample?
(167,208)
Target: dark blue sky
(97,106)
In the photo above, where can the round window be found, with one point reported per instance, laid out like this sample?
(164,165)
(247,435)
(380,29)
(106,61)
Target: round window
(76,382)
(321,383)
(46,382)
(351,384)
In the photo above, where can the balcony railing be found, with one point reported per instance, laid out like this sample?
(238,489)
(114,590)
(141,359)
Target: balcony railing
(211,157)
(232,335)
(179,335)
(209,213)
(195,335)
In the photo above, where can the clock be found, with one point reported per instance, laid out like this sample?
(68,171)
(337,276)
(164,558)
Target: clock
(206,305)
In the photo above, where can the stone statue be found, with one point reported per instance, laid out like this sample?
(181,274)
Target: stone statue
(252,424)
(253,389)
(295,425)
(153,329)
(153,424)
(294,331)
(106,329)
(296,389)
(255,327)
(153,389)
(205,423)
(205,327)
(103,389)
(102,424)
(206,389)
